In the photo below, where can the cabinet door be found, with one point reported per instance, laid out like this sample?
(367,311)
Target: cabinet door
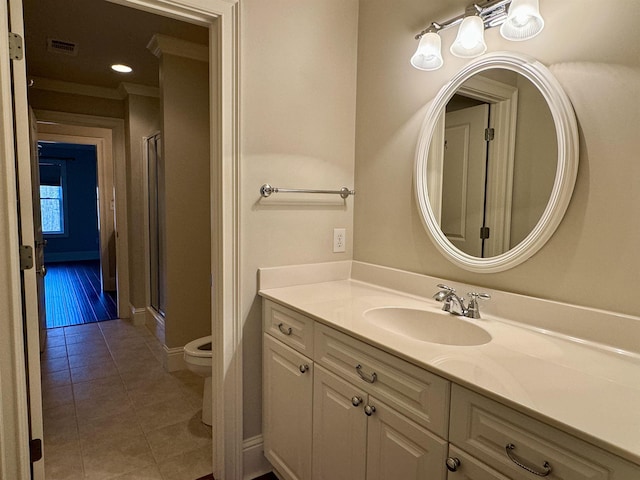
(287,414)
(468,468)
(400,449)
(339,428)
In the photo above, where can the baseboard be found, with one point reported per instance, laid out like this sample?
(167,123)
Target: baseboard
(174,359)
(155,324)
(138,315)
(254,463)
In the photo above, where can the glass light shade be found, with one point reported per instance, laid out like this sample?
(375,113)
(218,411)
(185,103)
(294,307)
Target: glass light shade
(470,39)
(523,22)
(120,68)
(428,55)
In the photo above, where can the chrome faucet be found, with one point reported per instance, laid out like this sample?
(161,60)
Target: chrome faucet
(455,305)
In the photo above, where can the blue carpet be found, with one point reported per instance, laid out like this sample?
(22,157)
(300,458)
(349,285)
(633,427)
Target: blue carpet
(73,295)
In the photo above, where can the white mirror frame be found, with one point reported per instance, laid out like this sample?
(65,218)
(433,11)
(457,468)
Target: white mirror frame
(566,170)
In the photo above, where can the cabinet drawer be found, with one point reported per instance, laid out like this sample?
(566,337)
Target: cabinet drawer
(470,468)
(289,327)
(485,428)
(418,394)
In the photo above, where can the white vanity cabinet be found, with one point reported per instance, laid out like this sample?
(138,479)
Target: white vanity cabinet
(346,410)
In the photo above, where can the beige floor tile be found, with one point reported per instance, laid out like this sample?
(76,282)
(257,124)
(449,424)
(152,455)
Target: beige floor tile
(87,373)
(163,388)
(105,406)
(54,364)
(58,341)
(122,425)
(140,377)
(164,413)
(55,332)
(62,470)
(90,348)
(179,438)
(149,473)
(101,387)
(57,396)
(78,329)
(54,352)
(55,379)
(90,358)
(107,458)
(188,465)
(94,336)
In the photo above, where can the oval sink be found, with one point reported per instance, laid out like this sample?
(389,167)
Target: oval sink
(427,326)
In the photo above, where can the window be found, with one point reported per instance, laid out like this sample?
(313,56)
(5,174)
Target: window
(52,198)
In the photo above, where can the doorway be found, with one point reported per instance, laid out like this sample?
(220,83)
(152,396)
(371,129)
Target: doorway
(75,288)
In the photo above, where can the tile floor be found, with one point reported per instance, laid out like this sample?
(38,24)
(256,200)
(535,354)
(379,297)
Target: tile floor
(112,412)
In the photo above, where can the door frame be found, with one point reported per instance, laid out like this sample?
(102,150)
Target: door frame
(107,134)
(223,19)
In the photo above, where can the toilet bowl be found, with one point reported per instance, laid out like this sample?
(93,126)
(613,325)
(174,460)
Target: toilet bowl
(197,355)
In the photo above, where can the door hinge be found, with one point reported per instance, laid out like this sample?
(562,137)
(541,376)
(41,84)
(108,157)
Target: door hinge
(16,47)
(35,449)
(484,232)
(26,257)
(489,134)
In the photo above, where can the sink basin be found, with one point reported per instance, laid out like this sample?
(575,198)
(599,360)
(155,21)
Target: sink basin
(428,326)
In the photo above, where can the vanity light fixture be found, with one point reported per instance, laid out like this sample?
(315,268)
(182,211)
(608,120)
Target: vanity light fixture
(518,20)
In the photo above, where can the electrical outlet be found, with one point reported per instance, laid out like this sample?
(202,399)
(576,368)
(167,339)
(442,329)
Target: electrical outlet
(339,240)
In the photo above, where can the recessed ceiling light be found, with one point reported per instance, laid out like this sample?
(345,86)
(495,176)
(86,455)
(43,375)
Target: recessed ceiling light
(121,68)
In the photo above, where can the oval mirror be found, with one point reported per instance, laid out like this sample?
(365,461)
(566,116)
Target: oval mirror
(496,162)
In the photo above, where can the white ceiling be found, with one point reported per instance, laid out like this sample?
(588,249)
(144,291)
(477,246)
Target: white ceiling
(106,34)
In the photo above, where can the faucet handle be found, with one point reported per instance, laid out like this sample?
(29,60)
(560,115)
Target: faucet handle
(473,311)
(442,294)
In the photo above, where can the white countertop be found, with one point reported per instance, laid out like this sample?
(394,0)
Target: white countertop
(591,392)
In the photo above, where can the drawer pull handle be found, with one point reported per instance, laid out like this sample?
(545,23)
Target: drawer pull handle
(452,464)
(369,410)
(356,401)
(367,378)
(547,468)
(286,331)
(303,368)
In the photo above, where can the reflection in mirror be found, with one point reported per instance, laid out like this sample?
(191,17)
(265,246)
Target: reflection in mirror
(492,163)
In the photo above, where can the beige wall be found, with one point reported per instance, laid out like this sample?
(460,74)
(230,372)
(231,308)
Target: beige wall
(70,103)
(184,100)
(142,120)
(298,120)
(595,54)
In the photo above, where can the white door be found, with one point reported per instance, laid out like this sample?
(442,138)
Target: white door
(401,449)
(25,320)
(339,428)
(287,416)
(464,174)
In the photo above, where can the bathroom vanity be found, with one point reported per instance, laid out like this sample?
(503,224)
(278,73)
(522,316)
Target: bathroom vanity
(354,387)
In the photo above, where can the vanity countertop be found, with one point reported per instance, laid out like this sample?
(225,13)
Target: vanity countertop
(589,391)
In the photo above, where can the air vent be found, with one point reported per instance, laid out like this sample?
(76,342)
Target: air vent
(62,46)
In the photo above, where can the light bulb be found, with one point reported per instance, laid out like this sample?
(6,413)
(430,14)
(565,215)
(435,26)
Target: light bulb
(523,21)
(428,55)
(470,39)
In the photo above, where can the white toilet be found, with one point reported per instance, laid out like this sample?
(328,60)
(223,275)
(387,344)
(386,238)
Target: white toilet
(197,355)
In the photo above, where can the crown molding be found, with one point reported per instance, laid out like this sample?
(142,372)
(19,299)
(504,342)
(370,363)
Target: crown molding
(162,44)
(120,93)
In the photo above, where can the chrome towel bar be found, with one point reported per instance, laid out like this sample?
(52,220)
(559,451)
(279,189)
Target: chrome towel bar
(266,190)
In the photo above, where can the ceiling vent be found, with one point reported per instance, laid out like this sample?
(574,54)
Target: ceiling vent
(62,46)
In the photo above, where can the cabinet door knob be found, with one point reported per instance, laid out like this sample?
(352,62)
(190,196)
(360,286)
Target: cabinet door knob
(452,464)
(356,401)
(303,368)
(369,410)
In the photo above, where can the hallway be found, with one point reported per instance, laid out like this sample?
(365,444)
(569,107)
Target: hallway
(112,412)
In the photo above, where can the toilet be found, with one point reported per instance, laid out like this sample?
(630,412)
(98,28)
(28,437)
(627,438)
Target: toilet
(197,355)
